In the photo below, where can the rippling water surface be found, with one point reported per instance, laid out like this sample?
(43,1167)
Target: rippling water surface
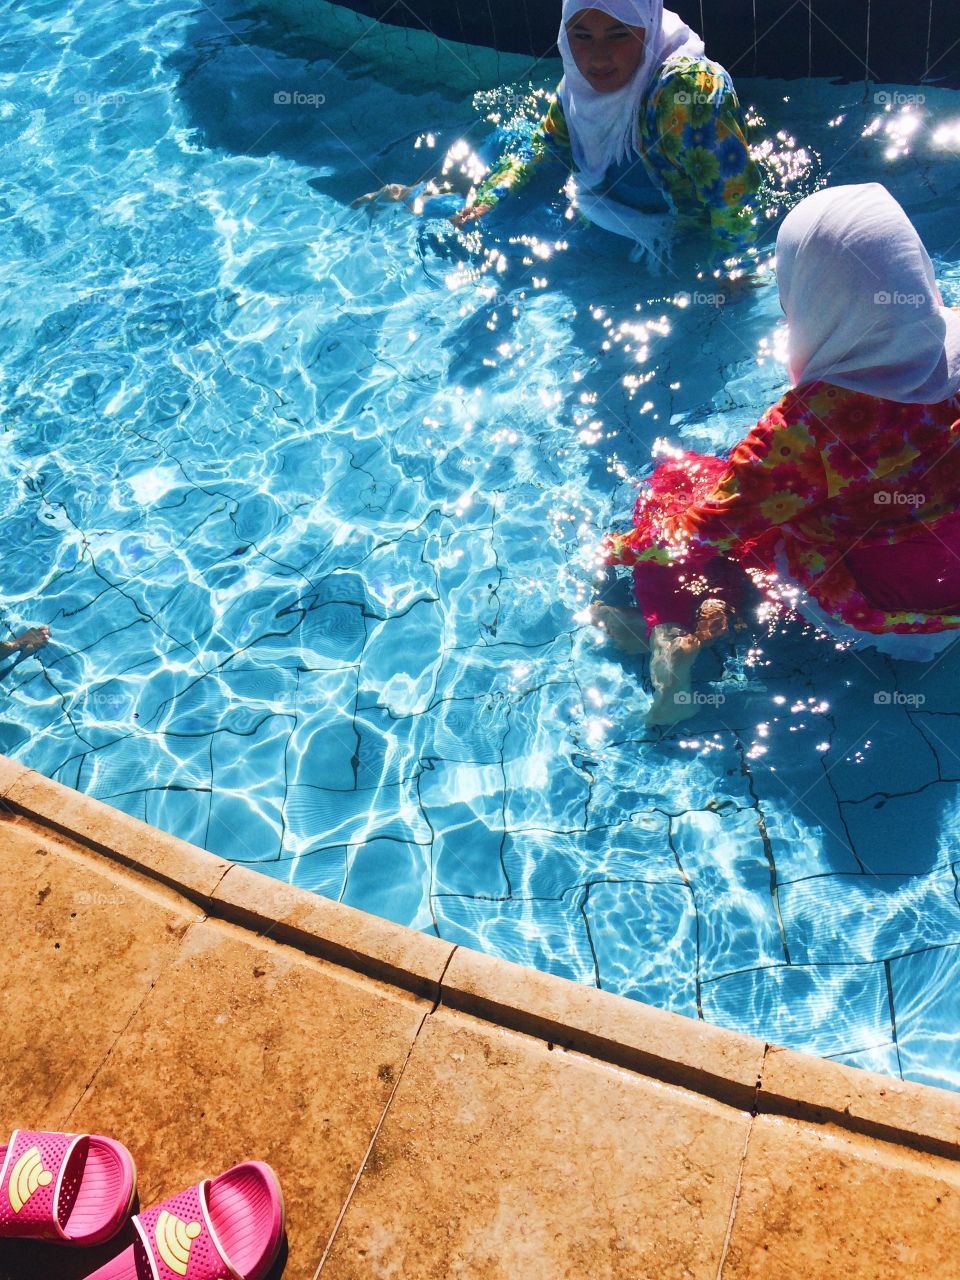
(308,497)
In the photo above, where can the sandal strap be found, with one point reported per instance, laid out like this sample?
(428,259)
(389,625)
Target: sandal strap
(32,1183)
(180,1240)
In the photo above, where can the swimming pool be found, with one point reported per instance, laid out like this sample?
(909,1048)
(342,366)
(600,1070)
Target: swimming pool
(309,496)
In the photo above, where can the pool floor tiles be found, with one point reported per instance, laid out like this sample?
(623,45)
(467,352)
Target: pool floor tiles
(413,1140)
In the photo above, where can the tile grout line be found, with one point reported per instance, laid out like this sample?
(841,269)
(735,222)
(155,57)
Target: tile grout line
(389,1103)
(735,1202)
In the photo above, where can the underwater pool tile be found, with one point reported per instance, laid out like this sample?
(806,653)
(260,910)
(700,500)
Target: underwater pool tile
(798,803)
(847,919)
(942,732)
(926,1008)
(401,660)
(142,759)
(390,879)
(824,1009)
(542,789)
(550,935)
(908,834)
(546,863)
(330,635)
(801,846)
(466,730)
(466,855)
(318,817)
(477,787)
(323,741)
(728,873)
(244,827)
(899,757)
(633,926)
(185,813)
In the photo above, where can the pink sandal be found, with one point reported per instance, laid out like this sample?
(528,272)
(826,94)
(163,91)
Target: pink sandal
(73,1188)
(227,1228)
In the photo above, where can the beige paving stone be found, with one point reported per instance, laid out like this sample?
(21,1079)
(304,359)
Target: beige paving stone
(81,945)
(502,1160)
(244,1049)
(10,772)
(336,932)
(816,1202)
(172,861)
(880,1106)
(680,1050)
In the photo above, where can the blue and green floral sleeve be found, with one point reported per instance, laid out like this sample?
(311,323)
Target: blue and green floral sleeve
(515,171)
(694,138)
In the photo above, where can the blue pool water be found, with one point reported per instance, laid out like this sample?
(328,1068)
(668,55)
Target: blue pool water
(308,497)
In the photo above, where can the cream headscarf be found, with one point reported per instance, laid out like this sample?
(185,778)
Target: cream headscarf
(861,300)
(604,127)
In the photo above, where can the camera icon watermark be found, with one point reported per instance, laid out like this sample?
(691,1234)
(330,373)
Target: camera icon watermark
(694,99)
(894,98)
(883,298)
(894,698)
(295,98)
(691,698)
(893,498)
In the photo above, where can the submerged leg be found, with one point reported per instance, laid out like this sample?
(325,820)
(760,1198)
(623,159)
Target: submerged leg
(673,652)
(627,628)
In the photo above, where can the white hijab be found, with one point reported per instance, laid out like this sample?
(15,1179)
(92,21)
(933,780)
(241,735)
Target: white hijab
(861,300)
(604,127)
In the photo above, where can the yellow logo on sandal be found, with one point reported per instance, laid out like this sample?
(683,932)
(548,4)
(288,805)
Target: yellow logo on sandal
(28,1176)
(174,1238)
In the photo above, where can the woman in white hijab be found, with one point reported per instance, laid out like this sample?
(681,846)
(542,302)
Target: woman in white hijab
(845,497)
(652,128)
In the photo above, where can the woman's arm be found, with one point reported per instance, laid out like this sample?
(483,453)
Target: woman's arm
(772,475)
(514,172)
(695,139)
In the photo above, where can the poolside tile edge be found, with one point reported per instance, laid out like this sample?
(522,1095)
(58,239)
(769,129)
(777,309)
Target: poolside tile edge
(725,1065)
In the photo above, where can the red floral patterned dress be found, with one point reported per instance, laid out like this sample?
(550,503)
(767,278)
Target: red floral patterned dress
(856,497)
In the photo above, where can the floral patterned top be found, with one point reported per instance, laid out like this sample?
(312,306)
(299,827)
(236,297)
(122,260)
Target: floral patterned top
(693,139)
(824,472)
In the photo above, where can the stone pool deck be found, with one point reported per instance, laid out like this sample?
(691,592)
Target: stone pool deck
(432,1112)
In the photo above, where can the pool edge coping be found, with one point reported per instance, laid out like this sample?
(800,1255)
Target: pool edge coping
(728,1066)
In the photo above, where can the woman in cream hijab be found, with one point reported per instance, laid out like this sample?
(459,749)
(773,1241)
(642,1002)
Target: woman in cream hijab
(847,492)
(651,128)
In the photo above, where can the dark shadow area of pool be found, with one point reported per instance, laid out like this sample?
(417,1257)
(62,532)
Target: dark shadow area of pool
(851,39)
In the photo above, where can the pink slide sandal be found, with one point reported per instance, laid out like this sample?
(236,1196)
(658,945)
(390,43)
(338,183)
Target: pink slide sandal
(71,1188)
(227,1228)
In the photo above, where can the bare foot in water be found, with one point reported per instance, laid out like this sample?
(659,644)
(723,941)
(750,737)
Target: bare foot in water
(27,642)
(627,628)
(392,193)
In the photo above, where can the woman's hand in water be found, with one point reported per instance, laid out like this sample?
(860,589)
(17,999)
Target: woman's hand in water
(470,214)
(393,192)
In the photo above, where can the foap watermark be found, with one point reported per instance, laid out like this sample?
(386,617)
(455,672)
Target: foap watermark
(894,98)
(894,698)
(884,298)
(894,498)
(97,898)
(296,98)
(689,698)
(700,299)
(694,99)
(92,98)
